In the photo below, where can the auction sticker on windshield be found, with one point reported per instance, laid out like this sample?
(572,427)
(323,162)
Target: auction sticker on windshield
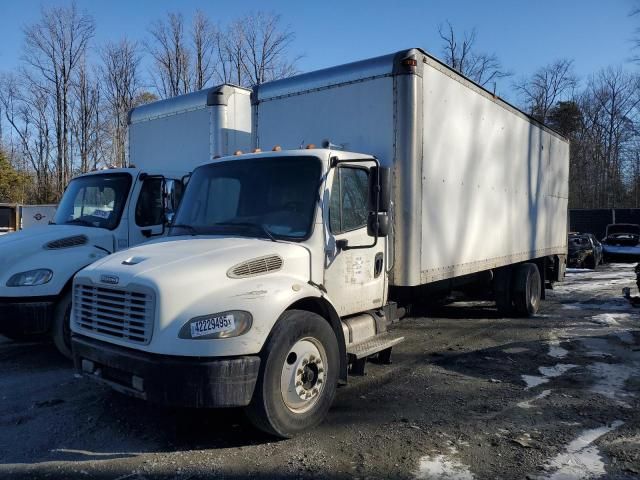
(209,325)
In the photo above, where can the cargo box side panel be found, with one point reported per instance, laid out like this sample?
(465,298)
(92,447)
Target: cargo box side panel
(495,184)
(359,116)
(237,135)
(177,142)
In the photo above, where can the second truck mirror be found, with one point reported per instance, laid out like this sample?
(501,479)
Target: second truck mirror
(384,194)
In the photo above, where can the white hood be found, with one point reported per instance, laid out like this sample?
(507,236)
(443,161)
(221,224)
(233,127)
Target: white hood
(26,250)
(169,259)
(187,277)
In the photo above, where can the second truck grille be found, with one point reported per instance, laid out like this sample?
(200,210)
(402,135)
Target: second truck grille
(123,314)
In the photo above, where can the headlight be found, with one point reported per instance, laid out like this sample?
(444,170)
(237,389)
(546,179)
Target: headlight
(218,325)
(30,278)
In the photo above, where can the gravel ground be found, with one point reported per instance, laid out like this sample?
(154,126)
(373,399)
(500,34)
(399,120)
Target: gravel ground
(469,395)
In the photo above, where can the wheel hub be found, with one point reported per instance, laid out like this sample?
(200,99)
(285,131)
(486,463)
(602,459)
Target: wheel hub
(303,375)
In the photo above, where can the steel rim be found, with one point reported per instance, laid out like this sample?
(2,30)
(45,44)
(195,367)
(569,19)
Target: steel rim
(303,377)
(534,289)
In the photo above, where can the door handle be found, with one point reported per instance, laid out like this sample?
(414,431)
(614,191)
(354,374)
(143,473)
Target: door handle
(378,264)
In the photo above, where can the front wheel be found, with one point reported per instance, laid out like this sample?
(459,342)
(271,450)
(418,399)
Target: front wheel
(61,329)
(298,375)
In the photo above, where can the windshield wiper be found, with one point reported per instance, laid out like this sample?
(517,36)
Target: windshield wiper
(191,229)
(259,226)
(80,221)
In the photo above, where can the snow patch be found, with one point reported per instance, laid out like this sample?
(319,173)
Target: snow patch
(547,373)
(581,459)
(556,351)
(443,467)
(515,350)
(626,336)
(611,379)
(529,403)
(610,318)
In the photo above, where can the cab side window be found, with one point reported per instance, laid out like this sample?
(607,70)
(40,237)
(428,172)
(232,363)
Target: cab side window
(348,208)
(149,209)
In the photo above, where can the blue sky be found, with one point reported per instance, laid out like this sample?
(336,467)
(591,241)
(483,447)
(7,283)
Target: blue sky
(525,34)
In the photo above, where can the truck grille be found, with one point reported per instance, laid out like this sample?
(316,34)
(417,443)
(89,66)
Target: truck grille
(123,314)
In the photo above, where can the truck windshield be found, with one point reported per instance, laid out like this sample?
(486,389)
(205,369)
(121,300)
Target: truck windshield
(272,197)
(94,200)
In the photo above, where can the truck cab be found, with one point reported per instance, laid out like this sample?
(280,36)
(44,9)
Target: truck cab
(113,209)
(275,261)
(99,213)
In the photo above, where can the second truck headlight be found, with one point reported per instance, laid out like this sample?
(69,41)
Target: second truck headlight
(30,278)
(218,325)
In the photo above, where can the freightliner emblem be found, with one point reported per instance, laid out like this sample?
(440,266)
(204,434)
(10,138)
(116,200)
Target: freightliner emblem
(110,279)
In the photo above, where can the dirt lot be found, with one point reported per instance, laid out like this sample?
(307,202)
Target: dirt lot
(469,395)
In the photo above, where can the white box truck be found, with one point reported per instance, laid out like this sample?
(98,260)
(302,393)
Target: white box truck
(109,210)
(284,269)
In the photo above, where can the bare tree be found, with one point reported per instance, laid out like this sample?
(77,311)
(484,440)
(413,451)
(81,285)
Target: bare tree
(265,48)
(54,46)
(171,56)
(87,118)
(460,54)
(230,48)
(121,85)
(27,110)
(204,38)
(546,87)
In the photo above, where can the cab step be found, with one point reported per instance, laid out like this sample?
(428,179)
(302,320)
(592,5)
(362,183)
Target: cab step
(380,345)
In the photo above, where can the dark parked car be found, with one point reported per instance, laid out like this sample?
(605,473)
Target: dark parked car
(585,251)
(622,242)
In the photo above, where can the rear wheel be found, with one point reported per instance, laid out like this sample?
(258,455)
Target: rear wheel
(590,262)
(526,289)
(61,329)
(298,375)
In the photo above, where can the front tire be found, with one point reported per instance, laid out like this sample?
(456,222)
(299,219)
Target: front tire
(298,375)
(61,328)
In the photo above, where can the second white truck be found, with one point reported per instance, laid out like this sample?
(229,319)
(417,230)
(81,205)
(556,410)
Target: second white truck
(284,268)
(112,209)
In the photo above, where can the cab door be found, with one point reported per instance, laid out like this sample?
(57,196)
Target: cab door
(354,277)
(157,199)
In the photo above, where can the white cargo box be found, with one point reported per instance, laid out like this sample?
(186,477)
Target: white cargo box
(478,184)
(192,128)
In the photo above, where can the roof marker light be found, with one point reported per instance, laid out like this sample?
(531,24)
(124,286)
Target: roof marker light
(276,148)
(310,146)
(257,150)
(238,152)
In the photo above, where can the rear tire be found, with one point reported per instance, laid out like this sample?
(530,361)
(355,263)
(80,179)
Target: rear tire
(298,375)
(526,289)
(61,328)
(590,263)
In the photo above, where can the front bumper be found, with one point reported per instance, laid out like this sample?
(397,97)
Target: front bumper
(168,380)
(26,316)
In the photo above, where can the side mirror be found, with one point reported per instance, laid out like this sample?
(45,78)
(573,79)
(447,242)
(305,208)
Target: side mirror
(378,224)
(379,189)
